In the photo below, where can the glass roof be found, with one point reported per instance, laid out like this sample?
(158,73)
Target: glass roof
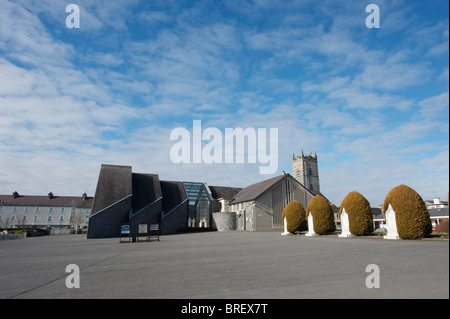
(197,191)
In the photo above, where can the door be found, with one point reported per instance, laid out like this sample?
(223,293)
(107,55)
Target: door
(241,220)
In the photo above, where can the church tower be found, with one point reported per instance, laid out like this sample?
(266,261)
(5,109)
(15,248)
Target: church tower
(306,170)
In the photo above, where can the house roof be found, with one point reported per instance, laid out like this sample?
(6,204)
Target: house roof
(56,201)
(431,202)
(377,213)
(438,212)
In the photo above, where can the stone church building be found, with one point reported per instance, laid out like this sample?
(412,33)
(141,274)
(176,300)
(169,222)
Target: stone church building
(125,197)
(306,171)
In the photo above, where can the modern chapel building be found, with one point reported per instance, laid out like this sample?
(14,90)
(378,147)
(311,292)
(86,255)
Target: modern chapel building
(125,197)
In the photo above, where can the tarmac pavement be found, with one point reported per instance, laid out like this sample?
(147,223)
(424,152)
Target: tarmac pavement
(224,265)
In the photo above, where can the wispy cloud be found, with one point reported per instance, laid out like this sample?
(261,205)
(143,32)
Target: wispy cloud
(372,103)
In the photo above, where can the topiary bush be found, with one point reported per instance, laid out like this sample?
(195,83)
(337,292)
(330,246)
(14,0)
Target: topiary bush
(411,213)
(322,214)
(295,215)
(359,213)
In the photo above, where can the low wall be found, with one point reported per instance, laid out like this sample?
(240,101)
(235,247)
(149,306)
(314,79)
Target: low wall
(224,221)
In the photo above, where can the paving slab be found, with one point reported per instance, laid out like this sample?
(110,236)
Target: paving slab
(225,265)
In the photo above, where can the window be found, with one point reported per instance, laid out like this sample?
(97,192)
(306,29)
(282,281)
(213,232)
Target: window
(62,210)
(15,209)
(50,210)
(36,218)
(61,219)
(27,209)
(24,218)
(1,209)
(37,210)
(288,192)
(49,219)
(13,218)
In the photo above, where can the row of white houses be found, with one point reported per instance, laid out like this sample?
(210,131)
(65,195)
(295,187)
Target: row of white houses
(60,213)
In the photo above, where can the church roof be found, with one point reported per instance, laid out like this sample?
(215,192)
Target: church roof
(254,191)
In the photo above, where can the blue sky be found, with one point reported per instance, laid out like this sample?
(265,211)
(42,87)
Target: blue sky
(373,103)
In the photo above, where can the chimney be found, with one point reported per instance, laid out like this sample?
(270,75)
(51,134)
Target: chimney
(437,200)
(84,196)
(50,195)
(15,194)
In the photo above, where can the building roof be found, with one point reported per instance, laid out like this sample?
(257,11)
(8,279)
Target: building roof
(57,201)
(255,190)
(146,189)
(377,213)
(252,192)
(114,183)
(431,202)
(173,194)
(439,212)
(227,193)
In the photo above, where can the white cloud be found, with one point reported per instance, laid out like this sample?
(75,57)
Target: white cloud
(72,101)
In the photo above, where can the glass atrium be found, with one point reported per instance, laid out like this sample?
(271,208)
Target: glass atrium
(200,204)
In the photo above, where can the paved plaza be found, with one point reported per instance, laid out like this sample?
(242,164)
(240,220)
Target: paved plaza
(224,265)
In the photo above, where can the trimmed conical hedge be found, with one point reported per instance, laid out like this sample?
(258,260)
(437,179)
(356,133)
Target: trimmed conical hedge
(411,213)
(295,215)
(359,213)
(322,213)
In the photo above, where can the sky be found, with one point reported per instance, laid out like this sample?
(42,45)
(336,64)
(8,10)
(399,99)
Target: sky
(373,103)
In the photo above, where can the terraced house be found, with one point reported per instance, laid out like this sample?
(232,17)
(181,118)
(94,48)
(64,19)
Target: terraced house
(62,214)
